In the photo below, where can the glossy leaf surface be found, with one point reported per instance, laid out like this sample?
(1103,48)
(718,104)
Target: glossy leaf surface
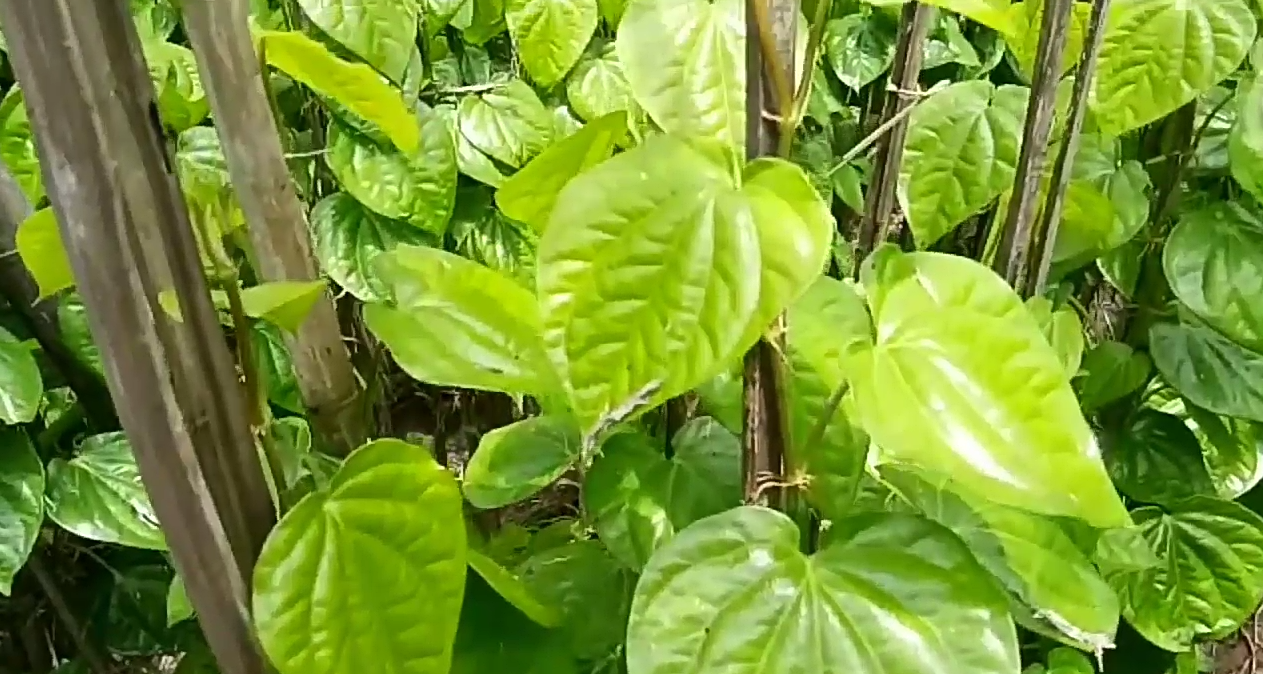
(1157,459)
(1111,370)
(98,495)
(347,237)
(39,243)
(1209,369)
(509,123)
(598,86)
(516,461)
(21,503)
(550,35)
(382,32)
(21,385)
(284,304)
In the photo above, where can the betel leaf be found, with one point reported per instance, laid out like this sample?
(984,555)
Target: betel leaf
(285,304)
(598,86)
(418,186)
(480,232)
(179,607)
(1062,329)
(1027,17)
(1031,555)
(470,160)
(663,237)
(860,47)
(72,318)
(21,385)
(734,593)
(1231,448)
(486,21)
(590,591)
(529,195)
(961,153)
(1158,55)
(963,383)
(458,323)
(1245,141)
(550,35)
(1156,458)
(347,237)
(991,13)
(1210,576)
(516,461)
(382,32)
(612,11)
(180,98)
(38,241)
(21,502)
(639,497)
(1209,369)
(508,123)
(391,524)
(98,495)
(355,86)
(493,637)
(17,146)
(1213,260)
(1111,370)
(685,62)
(509,586)
(276,367)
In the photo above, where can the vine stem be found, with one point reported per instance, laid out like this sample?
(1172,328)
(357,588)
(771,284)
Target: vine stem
(884,128)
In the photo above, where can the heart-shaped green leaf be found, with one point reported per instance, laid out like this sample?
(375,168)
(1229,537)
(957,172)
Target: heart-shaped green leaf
(598,86)
(860,47)
(347,237)
(98,495)
(181,100)
(1111,370)
(285,304)
(585,583)
(509,123)
(1062,329)
(38,241)
(516,461)
(21,502)
(276,368)
(891,594)
(512,589)
(390,515)
(1245,141)
(550,35)
(1157,459)
(382,32)
(21,385)
(1209,369)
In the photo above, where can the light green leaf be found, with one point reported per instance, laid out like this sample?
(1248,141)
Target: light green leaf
(436,14)
(664,237)
(1027,17)
(598,86)
(585,583)
(21,503)
(1231,448)
(276,367)
(17,146)
(1111,371)
(762,607)
(962,382)
(1062,329)
(486,21)
(21,385)
(509,586)
(39,243)
(550,35)
(391,524)
(98,495)
(509,123)
(1245,141)
(1210,578)
(1156,459)
(612,11)
(419,186)
(458,323)
(470,160)
(285,304)
(515,462)
(181,99)
(291,437)
(179,607)
(685,62)
(382,32)
(1209,369)
(1160,54)
(495,638)
(72,319)
(347,237)
(860,47)
(1034,559)
(961,153)
(480,232)
(529,195)
(640,498)
(355,86)
(993,14)
(1213,261)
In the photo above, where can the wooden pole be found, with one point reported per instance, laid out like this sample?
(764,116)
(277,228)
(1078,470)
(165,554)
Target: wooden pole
(126,229)
(220,34)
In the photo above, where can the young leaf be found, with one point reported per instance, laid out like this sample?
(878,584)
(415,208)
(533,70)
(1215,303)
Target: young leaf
(382,32)
(418,186)
(515,462)
(38,241)
(1210,576)
(685,62)
(993,14)
(860,47)
(21,503)
(1156,459)
(21,385)
(348,237)
(1209,369)
(509,123)
(179,607)
(961,153)
(1160,54)
(276,367)
(458,323)
(470,160)
(1111,371)
(181,99)
(639,498)
(1063,331)
(391,514)
(663,237)
(1032,556)
(962,383)
(770,609)
(1213,261)
(354,85)
(529,195)
(586,585)
(598,86)
(285,304)
(509,586)
(550,35)
(98,495)
(17,146)
(1027,17)
(1245,141)
(72,318)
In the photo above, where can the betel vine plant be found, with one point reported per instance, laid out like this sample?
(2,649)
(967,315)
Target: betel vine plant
(996,480)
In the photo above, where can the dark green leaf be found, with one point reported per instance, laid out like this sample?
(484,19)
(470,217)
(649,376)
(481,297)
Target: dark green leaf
(1156,459)
(348,237)
(1209,369)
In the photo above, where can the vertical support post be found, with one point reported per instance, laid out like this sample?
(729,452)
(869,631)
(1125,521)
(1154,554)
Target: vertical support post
(1013,259)
(771,28)
(127,233)
(220,35)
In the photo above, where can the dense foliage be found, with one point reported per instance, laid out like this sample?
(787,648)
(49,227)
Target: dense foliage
(546,236)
